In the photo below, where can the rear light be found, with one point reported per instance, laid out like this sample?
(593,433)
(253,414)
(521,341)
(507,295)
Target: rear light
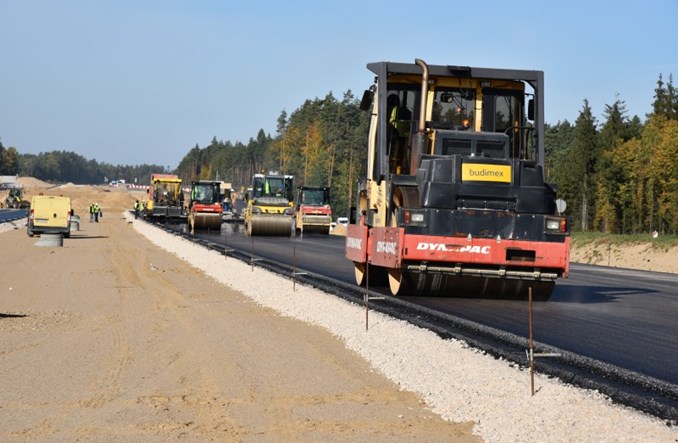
(555,225)
(413,218)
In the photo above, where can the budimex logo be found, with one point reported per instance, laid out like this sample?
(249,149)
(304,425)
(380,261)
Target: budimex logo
(485,173)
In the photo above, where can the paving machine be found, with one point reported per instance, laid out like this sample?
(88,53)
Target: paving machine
(165,198)
(313,211)
(454,200)
(270,205)
(204,208)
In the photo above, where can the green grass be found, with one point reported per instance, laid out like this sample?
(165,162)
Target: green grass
(661,243)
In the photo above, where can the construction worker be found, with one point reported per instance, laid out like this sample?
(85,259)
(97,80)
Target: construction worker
(91,212)
(398,133)
(97,212)
(137,208)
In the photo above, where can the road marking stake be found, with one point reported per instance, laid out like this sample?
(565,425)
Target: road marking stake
(530,353)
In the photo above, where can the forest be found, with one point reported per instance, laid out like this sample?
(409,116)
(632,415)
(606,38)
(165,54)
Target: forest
(619,175)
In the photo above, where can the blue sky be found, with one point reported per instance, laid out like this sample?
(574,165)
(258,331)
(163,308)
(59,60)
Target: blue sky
(131,82)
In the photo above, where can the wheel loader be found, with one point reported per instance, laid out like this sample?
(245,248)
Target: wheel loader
(15,199)
(270,205)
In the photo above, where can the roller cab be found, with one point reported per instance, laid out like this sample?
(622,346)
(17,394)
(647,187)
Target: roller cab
(454,202)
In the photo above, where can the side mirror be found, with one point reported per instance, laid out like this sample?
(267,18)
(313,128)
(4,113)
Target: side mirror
(530,109)
(366,101)
(446,97)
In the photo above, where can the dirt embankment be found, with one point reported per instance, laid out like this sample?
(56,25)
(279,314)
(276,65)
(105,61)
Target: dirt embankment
(641,256)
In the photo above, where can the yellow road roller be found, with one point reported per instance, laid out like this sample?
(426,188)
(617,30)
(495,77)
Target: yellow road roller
(270,205)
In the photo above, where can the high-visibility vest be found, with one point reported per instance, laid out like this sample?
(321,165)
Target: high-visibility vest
(400,120)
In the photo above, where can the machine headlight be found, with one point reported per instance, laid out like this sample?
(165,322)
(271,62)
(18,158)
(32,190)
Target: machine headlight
(288,211)
(256,210)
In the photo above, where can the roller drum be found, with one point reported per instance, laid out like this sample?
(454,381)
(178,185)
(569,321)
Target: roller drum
(269,225)
(205,221)
(316,229)
(463,286)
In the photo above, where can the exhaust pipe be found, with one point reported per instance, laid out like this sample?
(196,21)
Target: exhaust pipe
(420,140)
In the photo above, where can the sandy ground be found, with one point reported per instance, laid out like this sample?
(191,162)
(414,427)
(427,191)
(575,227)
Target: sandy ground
(109,338)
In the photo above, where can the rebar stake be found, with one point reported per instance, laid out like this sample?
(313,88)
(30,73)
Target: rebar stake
(367,295)
(529,313)
(252,255)
(530,353)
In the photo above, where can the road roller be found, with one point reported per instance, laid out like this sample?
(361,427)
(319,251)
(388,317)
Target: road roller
(313,212)
(454,201)
(204,208)
(270,205)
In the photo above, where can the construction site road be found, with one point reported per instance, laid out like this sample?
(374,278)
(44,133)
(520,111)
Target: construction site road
(109,338)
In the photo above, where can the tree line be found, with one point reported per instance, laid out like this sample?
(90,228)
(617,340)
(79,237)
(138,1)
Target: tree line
(617,176)
(69,167)
(620,176)
(322,143)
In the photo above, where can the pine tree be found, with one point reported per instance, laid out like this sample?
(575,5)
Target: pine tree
(584,155)
(614,132)
(665,99)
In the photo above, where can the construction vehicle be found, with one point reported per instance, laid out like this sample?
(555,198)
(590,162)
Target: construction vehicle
(49,215)
(313,212)
(204,208)
(270,205)
(15,199)
(454,201)
(165,198)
